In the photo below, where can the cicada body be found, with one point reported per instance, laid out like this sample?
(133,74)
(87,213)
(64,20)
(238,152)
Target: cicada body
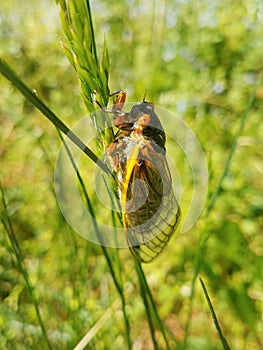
(150,212)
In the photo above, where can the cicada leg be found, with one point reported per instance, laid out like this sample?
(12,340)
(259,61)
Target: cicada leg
(119,100)
(112,155)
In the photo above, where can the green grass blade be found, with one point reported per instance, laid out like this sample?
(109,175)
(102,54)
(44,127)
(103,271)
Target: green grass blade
(215,320)
(204,236)
(96,327)
(243,120)
(92,36)
(115,275)
(143,291)
(10,75)
(76,20)
(7,223)
(150,307)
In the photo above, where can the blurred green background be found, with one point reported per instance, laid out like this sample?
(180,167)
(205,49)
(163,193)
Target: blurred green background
(200,60)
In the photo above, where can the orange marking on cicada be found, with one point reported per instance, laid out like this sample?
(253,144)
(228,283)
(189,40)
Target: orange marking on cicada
(144,120)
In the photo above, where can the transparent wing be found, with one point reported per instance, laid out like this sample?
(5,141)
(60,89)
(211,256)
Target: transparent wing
(150,210)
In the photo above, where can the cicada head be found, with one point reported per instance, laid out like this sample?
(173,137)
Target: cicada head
(144,115)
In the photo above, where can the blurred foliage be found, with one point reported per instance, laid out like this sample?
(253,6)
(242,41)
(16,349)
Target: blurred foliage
(198,59)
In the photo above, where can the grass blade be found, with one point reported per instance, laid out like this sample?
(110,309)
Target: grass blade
(204,236)
(92,332)
(6,221)
(150,307)
(117,281)
(215,320)
(76,20)
(143,291)
(10,75)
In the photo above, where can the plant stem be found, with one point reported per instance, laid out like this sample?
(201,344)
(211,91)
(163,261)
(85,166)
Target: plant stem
(217,325)
(117,283)
(9,74)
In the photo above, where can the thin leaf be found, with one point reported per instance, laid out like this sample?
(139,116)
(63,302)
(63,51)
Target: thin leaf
(117,281)
(7,223)
(204,236)
(39,104)
(215,320)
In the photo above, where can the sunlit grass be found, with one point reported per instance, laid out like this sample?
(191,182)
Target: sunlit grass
(56,287)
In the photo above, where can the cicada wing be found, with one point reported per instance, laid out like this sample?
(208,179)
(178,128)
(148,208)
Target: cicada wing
(151,212)
(147,242)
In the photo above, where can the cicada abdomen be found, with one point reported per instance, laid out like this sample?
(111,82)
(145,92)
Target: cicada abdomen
(150,211)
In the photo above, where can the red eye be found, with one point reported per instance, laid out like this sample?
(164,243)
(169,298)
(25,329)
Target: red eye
(144,120)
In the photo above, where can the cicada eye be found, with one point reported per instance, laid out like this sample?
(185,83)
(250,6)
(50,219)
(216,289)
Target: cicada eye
(144,120)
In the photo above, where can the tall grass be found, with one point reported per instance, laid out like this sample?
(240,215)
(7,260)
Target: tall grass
(77,23)
(18,257)
(205,233)
(93,72)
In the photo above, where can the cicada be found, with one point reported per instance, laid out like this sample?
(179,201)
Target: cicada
(150,211)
